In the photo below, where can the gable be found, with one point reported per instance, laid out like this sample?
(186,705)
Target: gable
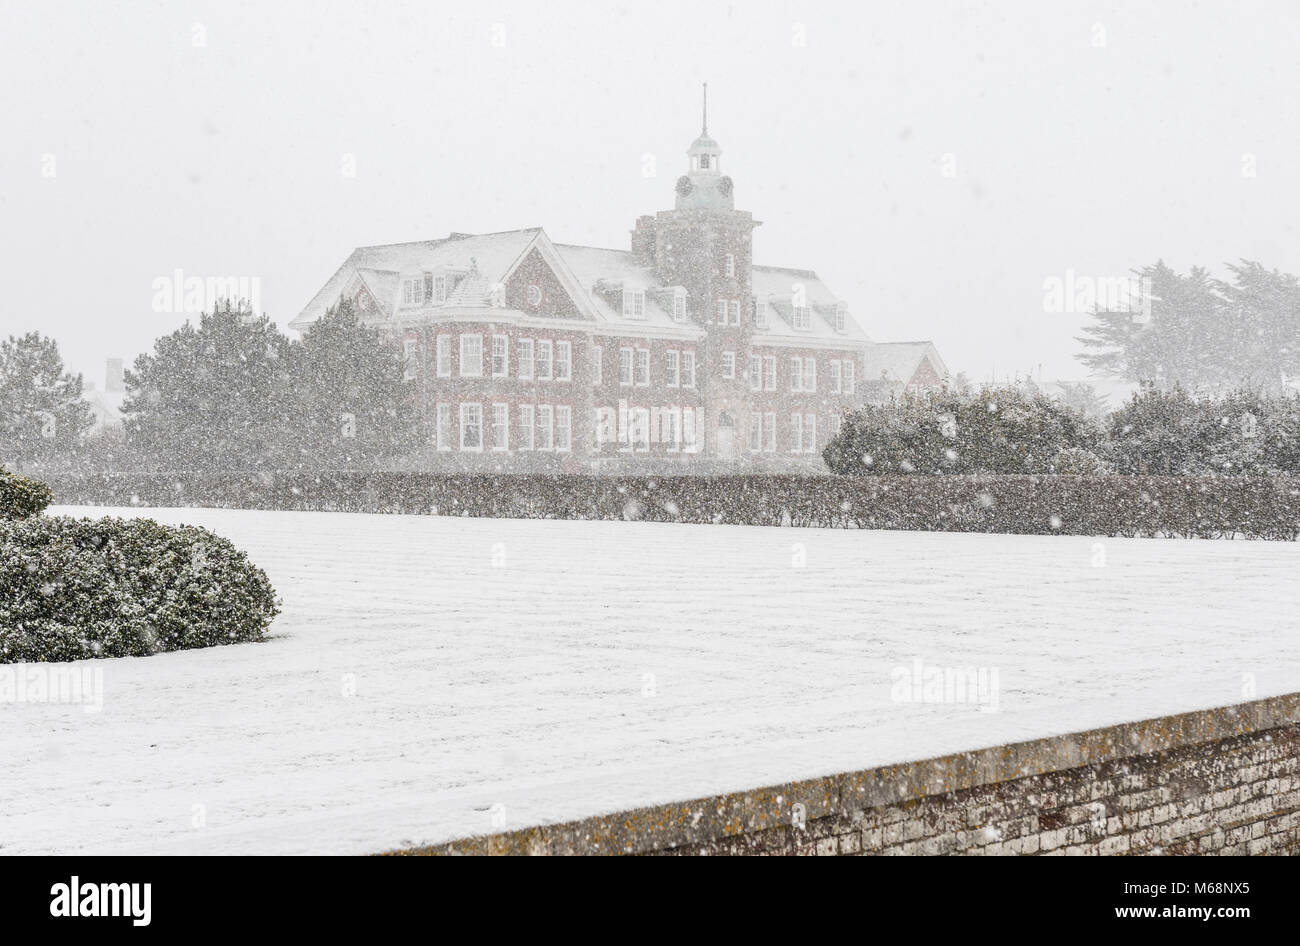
(534,271)
(925,374)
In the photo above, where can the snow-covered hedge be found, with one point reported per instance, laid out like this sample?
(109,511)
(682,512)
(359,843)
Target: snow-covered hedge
(21,497)
(76,588)
(1210,507)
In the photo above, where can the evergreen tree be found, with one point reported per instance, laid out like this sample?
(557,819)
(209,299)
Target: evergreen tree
(42,413)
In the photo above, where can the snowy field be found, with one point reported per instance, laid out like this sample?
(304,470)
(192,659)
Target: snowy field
(434,677)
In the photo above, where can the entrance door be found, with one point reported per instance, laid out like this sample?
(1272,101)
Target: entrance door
(726,436)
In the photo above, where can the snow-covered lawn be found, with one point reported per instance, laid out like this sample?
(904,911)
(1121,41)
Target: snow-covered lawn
(535,671)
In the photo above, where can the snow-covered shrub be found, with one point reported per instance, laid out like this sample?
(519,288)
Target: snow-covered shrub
(1076,461)
(21,497)
(77,588)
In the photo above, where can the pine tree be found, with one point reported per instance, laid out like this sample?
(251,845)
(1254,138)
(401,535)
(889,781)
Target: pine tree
(42,413)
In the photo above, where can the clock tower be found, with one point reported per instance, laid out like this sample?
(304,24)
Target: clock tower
(705,246)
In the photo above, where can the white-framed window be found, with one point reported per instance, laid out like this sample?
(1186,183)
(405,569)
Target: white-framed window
(722,311)
(735,311)
(545,427)
(810,374)
(524,413)
(810,433)
(563,428)
(642,367)
(796,373)
(444,356)
(769,373)
(413,291)
(760,313)
(500,426)
(544,360)
(500,356)
(443,441)
(597,364)
(729,365)
(471,426)
(525,349)
(755,372)
(729,265)
(563,361)
(408,359)
(688,369)
(439,289)
(638,429)
(841,317)
(670,429)
(836,384)
(625,366)
(471,356)
(689,441)
(534,296)
(755,432)
(672,368)
(796,433)
(679,306)
(849,369)
(769,432)
(634,303)
(801,319)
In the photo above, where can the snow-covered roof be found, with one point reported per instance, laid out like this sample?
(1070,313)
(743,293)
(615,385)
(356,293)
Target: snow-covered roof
(594,277)
(897,361)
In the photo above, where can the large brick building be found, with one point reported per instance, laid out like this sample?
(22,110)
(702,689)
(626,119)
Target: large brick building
(678,352)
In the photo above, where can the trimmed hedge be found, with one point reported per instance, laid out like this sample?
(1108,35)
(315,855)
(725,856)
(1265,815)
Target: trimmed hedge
(77,588)
(1211,507)
(21,497)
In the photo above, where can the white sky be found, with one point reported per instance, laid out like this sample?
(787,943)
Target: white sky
(226,159)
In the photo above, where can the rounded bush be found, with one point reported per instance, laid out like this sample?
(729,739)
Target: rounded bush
(77,588)
(21,497)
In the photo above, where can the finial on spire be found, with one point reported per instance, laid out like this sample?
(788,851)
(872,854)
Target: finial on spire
(706,108)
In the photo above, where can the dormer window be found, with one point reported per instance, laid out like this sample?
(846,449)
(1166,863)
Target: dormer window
(679,306)
(801,318)
(439,288)
(634,303)
(841,317)
(760,313)
(412,292)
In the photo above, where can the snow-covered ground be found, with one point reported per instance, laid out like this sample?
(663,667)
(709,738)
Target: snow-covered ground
(508,673)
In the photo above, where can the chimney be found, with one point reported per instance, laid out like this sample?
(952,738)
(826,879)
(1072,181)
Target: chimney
(643,241)
(113,376)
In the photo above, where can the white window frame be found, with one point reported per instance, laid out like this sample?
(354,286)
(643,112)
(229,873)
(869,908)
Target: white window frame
(769,372)
(409,349)
(563,428)
(597,364)
(467,410)
(850,368)
(641,368)
(755,372)
(729,365)
(836,384)
(413,291)
(755,432)
(524,349)
(734,306)
(688,369)
(810,433)
(729,265)
(444,356)
(679,306)
(672,368)
(796,433)
(796,373)
(722,312)
(563,360)
(760,313)
(545,425)
(524,419)
(501,425)
(841,318)
(503,355)
(468,359)
(634,303)
(544,356)
(769,432)
(625,367)
(439,288)
(442,434)
(800,318)
(810,375)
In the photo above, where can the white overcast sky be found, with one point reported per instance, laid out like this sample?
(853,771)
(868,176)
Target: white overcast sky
(225,159)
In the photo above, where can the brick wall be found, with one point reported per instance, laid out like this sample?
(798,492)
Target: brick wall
(1221,781)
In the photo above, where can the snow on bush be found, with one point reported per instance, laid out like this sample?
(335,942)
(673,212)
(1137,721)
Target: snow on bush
(21,497)
(77,588)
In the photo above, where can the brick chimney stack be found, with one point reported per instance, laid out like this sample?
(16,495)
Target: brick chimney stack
(643,241)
